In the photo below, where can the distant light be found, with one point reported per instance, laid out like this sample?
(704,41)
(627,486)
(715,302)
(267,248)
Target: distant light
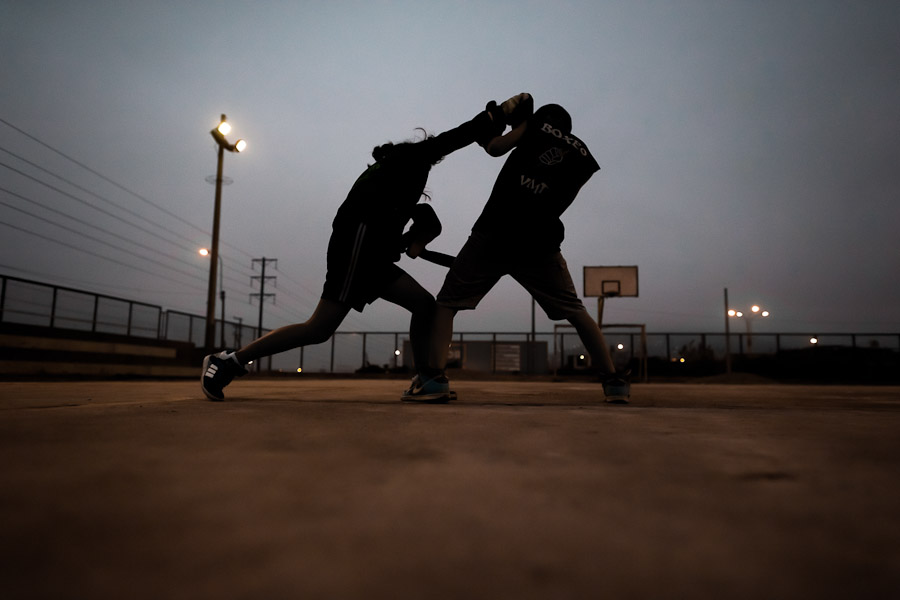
(581,357)
(739,314)
(299,369)
(755,308)
(240,145)
(681,360)
(396,353)
(224,128)
(765,313)
(813,340)
(203,252)
(621,346)
(732,312)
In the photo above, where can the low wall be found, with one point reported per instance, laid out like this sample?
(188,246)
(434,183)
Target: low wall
(27,350)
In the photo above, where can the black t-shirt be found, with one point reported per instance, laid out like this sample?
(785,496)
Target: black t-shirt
(538,182)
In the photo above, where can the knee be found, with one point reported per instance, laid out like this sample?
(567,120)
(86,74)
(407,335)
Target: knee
(317,333)
(425,305)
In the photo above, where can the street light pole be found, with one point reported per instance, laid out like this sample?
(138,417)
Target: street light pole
(218,134)
(214,252)
(222,298)
(727,338)
(206,252)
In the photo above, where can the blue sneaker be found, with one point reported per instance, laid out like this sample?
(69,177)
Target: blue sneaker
(218,371)
(617,389)
(434,390)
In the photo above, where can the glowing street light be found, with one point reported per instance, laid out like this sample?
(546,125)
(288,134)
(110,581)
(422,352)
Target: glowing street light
(219,133)
(755,311)
(730,313)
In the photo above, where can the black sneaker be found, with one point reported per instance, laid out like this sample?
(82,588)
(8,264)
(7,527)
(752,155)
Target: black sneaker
(218,371)
(434,390)
(617,389)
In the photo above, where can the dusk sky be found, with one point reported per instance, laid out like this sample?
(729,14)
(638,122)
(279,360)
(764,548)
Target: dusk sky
(753,145)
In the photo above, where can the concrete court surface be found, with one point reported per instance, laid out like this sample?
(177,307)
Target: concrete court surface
(320,488)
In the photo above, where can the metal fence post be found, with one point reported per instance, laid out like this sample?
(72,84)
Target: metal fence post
(331,369)
(53,307)
(364,350)
(2,298)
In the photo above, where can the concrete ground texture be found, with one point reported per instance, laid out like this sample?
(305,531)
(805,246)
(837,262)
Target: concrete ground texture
(332,488)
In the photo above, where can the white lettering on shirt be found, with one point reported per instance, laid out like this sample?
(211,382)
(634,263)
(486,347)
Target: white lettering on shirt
(530,184)
(574,142)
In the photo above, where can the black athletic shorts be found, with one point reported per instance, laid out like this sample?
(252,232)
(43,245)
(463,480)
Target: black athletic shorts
(478,267)
(359,267)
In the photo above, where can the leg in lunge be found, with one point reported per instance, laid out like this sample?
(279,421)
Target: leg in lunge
(220,369)
(616,387)
(519,233)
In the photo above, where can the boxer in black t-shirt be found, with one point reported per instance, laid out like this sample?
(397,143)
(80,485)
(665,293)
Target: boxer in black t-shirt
(519,234)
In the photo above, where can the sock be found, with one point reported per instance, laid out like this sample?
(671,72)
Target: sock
(429,373)
(232,356)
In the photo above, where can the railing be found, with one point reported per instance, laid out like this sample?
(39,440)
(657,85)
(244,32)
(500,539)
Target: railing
(32,303)
(29,302)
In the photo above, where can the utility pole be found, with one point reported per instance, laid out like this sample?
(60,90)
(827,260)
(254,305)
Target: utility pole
(262,295)
(237,335)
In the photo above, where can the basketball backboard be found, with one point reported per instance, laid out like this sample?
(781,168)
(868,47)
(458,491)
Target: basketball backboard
(611,282)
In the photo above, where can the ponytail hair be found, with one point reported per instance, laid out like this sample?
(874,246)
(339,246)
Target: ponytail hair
(383,151)
(379,153)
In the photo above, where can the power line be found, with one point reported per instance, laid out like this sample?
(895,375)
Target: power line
(82,222)
(56,241)
(98,209)
(109,180)
(168,240)
(78,187)
(301,298)
(100,175)
(82,234)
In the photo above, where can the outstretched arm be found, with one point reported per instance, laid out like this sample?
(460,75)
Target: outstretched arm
(502,144)
(483,127)
(516,111)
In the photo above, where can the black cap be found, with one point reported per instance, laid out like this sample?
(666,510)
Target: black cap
(556,115)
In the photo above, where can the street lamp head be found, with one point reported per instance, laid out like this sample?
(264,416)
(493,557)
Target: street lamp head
(765,313)
(754,308)
(732,312)
(203,251)
(219,133)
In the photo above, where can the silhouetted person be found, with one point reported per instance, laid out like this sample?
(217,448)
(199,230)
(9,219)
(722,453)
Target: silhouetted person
(366,242)
(519,234)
